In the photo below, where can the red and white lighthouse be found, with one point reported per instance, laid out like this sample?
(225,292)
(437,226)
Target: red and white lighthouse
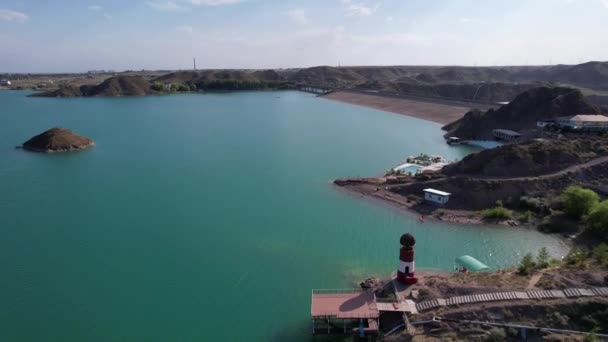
(405,273)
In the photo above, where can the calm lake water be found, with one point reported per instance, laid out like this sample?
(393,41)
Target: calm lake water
(207,217)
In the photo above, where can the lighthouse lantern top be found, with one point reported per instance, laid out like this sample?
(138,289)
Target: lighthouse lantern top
(407,240)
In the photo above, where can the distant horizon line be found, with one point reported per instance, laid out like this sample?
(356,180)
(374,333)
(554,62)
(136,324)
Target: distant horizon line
(105,71)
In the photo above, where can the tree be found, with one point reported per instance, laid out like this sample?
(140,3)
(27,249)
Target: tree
(158,86)
(543,258)
(598,219)
(526,264)
(578,201)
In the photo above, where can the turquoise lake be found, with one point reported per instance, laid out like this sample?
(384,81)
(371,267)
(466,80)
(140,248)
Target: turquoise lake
(207,217)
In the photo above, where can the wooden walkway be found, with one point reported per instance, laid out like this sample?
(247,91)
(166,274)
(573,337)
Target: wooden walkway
(511,296)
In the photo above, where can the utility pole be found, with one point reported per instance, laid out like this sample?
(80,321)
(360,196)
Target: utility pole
(194,63)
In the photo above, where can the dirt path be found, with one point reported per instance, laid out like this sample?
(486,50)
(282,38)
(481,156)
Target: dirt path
(533,280)
(573,168)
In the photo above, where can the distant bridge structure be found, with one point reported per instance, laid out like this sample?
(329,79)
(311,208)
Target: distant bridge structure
(315,89)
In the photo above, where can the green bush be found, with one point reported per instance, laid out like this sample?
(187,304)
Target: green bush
(533,203)
(600,253)
(578,201)
(158,86)
(181,87)
(527,216)
(526,265)
(497,213)
(597,219)
(576,257)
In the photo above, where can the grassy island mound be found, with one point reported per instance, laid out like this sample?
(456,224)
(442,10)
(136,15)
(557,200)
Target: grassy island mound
(57,140)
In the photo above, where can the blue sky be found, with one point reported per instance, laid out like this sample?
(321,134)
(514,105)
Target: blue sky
(70,35)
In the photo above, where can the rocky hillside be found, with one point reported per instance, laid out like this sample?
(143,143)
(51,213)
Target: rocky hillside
(486,84)
(219,75)
(114,86)
(592,75)
(57,140)
(522,112)
(531,158)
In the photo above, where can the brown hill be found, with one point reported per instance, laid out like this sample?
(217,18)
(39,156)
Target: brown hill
(522,113)
(591,74)
(328,76)
(268,75)
(207,76)
(57,140)
(531,158)
(120,86)
(114,86)
(179,77)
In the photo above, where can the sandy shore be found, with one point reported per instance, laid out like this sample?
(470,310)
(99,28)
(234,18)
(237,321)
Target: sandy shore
(431,111)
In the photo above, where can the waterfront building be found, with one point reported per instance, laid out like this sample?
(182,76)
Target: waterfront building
(586,122)
(505,134)
(436,196)
(5,83)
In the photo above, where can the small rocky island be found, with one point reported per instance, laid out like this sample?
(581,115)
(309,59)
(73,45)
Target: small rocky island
(57,140)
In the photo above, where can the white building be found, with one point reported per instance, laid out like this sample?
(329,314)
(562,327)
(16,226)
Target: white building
(588,122)
(436,196)
(5,83)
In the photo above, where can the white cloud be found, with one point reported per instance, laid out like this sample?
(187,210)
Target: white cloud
(464,20)
(361,9)
(214,2)
(389,19)
(605,3)
(12,16)
(298,15)
(166,6)
(95,8)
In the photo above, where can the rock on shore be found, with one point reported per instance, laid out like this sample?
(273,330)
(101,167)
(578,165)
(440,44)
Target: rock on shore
(57,140)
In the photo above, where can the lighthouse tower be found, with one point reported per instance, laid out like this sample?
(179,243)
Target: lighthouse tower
(405,273)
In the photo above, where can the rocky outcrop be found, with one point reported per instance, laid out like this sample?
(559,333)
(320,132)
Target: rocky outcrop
(371,283)
(522,113)
(57,140)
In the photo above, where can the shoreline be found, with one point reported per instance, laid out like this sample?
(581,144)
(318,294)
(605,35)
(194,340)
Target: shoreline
(434,111)
(379,194)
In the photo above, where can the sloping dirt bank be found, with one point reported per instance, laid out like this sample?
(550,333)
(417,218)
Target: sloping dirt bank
(431,110)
